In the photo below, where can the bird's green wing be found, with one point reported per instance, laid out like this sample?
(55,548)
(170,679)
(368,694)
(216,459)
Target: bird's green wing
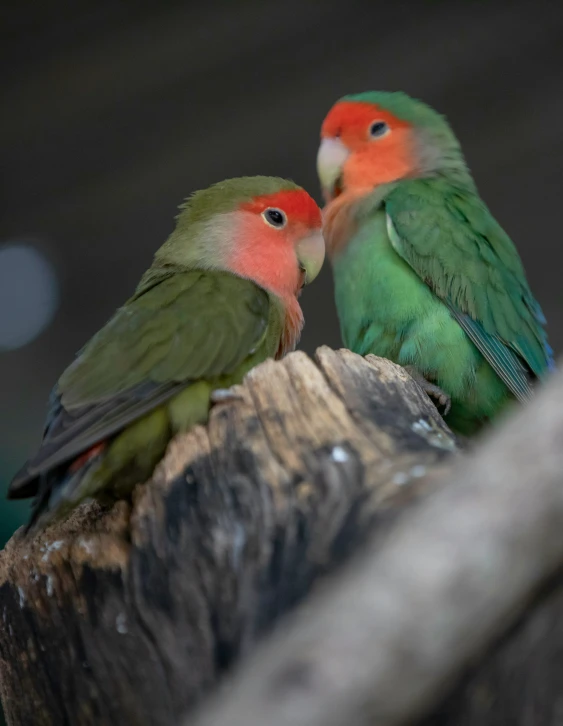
(180,328)
(450,239)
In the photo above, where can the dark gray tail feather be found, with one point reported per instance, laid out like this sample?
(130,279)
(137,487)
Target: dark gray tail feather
(22,486)
(54,487)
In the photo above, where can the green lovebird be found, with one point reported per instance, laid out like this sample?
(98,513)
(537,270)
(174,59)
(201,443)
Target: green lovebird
(423,274)
(220,297)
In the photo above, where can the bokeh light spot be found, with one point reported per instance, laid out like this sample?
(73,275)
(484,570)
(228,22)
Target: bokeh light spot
(29,294)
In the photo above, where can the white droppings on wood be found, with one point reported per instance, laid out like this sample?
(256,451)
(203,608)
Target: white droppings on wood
(433,435)
(421,425)
(86,545)
(51,547)
(339,454)
(400,478)
(417,471)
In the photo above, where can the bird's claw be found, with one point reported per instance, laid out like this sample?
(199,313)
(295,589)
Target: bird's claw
(431,390)
(442,398)
(225,395)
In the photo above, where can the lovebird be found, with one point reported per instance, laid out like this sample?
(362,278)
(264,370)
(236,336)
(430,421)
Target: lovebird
(220,297)
(423,273)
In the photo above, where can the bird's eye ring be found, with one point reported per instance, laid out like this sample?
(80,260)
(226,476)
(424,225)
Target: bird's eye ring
(378,129)
(274,217)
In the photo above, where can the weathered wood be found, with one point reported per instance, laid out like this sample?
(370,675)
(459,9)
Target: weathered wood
(519,681)
(468,586)
(130,616)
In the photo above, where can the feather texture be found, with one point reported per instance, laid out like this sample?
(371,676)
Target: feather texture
(182,327)
(451,240)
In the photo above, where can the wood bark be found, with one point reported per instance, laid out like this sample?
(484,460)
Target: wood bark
(131,615)
(455,619)
(450,612)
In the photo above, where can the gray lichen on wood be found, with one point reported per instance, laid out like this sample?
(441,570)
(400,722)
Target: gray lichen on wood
(131,615)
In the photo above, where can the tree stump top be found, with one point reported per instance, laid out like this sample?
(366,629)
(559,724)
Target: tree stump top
(131,615)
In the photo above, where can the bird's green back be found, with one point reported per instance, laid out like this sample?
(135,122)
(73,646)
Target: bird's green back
(185,326)
(451,240)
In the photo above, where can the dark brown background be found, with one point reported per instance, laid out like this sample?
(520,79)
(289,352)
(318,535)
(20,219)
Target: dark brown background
(113,112)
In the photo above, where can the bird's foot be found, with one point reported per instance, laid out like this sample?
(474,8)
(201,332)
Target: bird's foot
(431,389)
(226,395)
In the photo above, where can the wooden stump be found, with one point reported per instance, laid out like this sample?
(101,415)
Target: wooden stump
(450,612)
(455,618)
(131,615)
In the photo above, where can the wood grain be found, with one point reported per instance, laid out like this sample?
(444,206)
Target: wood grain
(132,615)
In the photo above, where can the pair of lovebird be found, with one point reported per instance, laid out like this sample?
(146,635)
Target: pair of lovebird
(423,274)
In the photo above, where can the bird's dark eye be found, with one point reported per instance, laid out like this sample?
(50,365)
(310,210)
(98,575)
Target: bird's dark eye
(275,217)
(378,128)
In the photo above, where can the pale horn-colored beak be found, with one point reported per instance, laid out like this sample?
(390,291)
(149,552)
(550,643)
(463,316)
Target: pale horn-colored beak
(311,253)
(331,157)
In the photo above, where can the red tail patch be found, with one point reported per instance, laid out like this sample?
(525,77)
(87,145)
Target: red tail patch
(86,456)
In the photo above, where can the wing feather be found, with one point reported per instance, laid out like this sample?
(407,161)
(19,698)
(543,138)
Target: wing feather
(189,326)
(451,240)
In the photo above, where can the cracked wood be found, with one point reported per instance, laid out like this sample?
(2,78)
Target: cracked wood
(131,615)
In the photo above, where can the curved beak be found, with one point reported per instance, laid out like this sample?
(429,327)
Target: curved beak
(331,157)
(311,253)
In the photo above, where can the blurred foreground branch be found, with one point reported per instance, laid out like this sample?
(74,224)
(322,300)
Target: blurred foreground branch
(468,584)
(132,615)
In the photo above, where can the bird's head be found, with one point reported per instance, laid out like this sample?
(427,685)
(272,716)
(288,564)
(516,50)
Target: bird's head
(265,229)
(374,138)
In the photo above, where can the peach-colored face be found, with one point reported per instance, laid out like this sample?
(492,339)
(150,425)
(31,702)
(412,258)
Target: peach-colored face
(362,146)
(279,242)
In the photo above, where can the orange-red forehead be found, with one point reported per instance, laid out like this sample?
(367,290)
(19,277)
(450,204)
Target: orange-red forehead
(347,118)
(296,203)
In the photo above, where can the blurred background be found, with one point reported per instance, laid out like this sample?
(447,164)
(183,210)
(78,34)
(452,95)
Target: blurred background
(113,112)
